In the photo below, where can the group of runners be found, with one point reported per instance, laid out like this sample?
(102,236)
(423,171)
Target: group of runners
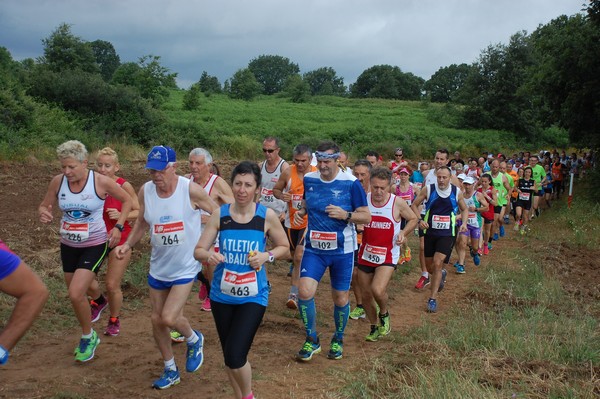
(316,211)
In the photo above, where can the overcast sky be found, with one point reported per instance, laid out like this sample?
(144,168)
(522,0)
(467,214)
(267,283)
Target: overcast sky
(222,36)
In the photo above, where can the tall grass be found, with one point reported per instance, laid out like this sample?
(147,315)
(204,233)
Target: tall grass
(517,334)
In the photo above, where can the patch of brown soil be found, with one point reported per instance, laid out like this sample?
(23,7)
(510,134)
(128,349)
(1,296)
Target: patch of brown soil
(43,366)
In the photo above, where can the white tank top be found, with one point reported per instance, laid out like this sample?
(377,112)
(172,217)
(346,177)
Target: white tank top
(266,188)
(82,224)
(174,232)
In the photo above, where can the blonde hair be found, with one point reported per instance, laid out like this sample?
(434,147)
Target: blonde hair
(108,152)
(72,149)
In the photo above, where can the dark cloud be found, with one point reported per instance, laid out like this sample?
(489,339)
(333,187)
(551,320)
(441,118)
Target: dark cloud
(419,36)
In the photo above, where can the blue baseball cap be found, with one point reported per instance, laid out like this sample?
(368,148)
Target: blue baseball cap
(159,157)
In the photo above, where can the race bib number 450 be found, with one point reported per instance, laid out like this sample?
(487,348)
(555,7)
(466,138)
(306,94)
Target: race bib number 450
(168,234)
(324,240)
(374,254)
(239,285)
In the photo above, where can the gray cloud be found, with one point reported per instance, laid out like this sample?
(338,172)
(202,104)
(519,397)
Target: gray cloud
(222,37)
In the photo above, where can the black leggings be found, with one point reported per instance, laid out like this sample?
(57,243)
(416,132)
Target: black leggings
(237,325)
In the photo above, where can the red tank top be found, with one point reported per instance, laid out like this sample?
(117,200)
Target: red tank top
(111,202)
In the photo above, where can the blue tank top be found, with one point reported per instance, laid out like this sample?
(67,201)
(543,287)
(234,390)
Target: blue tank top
(441,213)
(234,281)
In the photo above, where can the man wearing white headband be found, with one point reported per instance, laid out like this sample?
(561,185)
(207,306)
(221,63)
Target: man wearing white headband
(333,201)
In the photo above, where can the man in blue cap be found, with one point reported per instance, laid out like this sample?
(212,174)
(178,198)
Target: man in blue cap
(170,209)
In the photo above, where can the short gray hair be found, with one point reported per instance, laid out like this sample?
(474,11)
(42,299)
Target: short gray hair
(202,152)
(72,149)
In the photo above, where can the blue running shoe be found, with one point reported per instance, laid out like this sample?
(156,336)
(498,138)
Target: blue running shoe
(336,349)
(432,305)
(194,356)
(476,259)
(501,231)
(456,264)
(309,349)
(460,269)
(167,379)
(506,219)
(4,357)
(444,274)
(490,246)
(496,237)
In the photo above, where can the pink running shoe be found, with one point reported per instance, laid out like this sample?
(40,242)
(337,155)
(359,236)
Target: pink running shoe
(114,327)
(486,250)
(206,305)
(97,309)
(480,251)
(203,292)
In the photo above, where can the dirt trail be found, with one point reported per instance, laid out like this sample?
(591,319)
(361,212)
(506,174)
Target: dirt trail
(124,366)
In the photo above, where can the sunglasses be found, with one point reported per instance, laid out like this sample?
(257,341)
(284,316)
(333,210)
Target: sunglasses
(398,155)
(270,151)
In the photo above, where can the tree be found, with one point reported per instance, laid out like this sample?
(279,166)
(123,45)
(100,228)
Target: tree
(494,92)
(106,57)
(297,89)
(272,71)
(209,84)
(445,85)
(150,78)
(64,51)
(244,85)
(566,80)
(324,81)
(386,81)
(191,98)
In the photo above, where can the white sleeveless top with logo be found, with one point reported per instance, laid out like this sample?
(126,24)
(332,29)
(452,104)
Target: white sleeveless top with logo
(82,224)
(266,188)
(174,232)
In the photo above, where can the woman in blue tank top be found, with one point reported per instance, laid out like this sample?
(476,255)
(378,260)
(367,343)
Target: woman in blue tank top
(239,293)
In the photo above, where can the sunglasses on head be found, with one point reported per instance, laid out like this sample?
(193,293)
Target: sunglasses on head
(270,151)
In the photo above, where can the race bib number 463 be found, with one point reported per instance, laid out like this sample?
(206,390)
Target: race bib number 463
(239,285)
(324,240)
(168,234)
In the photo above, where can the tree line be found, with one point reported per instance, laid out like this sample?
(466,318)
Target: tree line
(544,80)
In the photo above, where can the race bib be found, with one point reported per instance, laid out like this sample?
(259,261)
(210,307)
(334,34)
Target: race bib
(418,186)
(524,196)
(439,222)
(239,285)
(297,201)
(168,234)
(75,232)
(266,195)
(374,254)
(324,240)
(407,198)
(473,219)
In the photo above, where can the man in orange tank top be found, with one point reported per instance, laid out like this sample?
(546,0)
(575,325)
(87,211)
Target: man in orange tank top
(290,189)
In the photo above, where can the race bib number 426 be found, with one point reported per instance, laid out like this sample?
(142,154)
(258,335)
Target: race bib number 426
(74,232)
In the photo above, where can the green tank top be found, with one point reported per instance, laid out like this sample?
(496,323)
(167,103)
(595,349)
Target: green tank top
(499,186)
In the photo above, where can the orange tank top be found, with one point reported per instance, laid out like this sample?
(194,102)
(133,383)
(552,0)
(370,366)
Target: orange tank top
(296,190)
